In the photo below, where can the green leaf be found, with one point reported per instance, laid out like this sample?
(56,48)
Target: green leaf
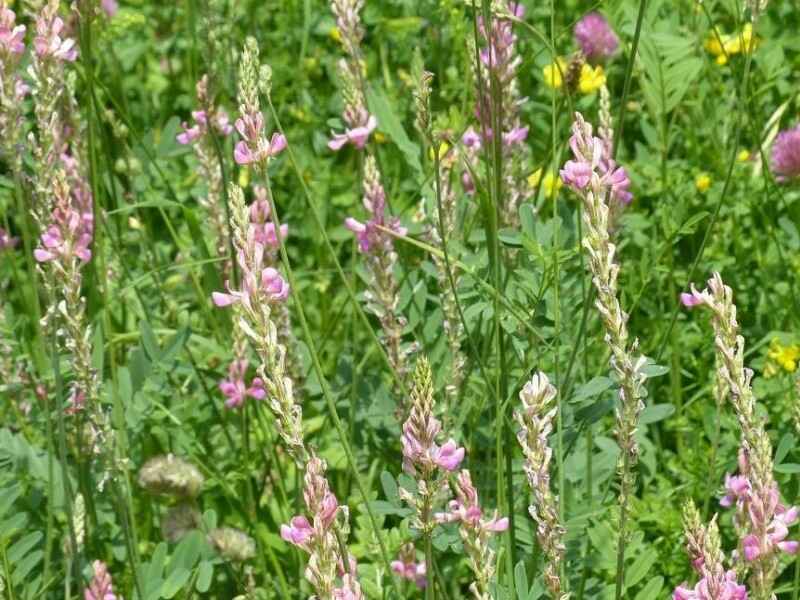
(205,573)
(786,444)
(175,582)
(594,387)
(149,341)
(656,412)
(640,567)
(652,591)
(22,546)
(390,487)
(790,468)
(389,122)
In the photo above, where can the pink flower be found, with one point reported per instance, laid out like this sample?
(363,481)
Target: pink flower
(298,532)
(263,229)
(235,388)
(724,584)
(785,159)
(356,136)
(276,287)
(6,241)
(256,283)
(449,456)
(48,42)
(466,508)
(737,487)
(595,37)
(515,136)
(12,36)
(66,238)
(471,139)
(101,586)
(690,301)
(219,121)
(412,570)
(110,7)
(576,174)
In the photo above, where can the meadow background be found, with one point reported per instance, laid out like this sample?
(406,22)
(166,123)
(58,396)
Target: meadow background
(134,434)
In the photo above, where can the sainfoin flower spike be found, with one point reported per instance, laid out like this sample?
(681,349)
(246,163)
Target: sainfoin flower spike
(48,41)
(476,531)
(101,587)
(785,160)
(536,423)
(703,547)
(761,518)
(261,289)
(320,537)
(595,37)
(408,567)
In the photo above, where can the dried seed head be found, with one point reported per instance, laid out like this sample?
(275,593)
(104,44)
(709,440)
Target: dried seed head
(171,476)
(233,544)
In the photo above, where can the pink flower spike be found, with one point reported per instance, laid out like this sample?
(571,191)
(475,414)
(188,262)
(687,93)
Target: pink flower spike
(515,136)
(449,456)
(338,142)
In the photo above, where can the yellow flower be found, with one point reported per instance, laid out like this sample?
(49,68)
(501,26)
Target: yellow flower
(785,357)
(446,157)
(723,46)
(592,79)
(335,34)
(551,184)
(379,138)
(702,183)
(554,73)
(743,156)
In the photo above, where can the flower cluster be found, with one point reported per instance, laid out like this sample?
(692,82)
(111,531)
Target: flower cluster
(262,288)
(359,122)
(320,538)
(781,357)
(536,424)
(498,64)
(254,147)
(48,42)
(723,46)
(475,530)
(208,121)
(68,237)
(785,159)
(407,566)
(235,388)
(595,37)
(596,179)
(703,547)
(12,36)
(7,241)
(760,517)
(593,160)
(375,240)
(101,586)
(232,544)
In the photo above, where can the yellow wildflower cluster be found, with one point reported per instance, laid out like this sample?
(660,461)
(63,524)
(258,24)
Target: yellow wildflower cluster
(781,357)
(723,46)
(702,182)
(591,78)
(551,184)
